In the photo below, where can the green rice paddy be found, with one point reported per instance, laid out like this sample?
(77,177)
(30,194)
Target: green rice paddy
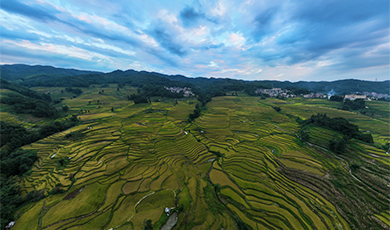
(239,162)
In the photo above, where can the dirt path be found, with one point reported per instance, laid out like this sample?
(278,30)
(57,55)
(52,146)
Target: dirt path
(171,222)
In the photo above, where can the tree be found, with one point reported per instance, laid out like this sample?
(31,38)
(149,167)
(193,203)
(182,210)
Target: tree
(61,161)
(74,118)
(65,108)
(358,104)
(112,109)
(338,146)
(355,167)
(278,109)
(148,225)
(346,107)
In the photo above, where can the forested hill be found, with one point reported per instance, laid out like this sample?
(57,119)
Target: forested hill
(21,100)
(20,71)
(50,76)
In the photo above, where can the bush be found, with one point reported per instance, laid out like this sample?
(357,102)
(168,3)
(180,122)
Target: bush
(338,146)
(278,109)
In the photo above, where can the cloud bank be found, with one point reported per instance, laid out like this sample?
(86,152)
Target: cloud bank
(252,40)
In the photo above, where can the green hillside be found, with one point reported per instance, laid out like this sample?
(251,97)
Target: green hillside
(20,71)
(26,116)
(48,76)
(240,165)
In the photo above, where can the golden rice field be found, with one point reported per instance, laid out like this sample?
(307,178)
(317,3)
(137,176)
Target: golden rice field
(240,164)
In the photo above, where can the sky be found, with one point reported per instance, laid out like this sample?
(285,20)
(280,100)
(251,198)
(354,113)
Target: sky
(297,40)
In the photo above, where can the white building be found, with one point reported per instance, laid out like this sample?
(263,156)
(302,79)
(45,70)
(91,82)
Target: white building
(354,97)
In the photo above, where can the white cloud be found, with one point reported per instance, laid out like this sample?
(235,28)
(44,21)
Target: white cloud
(40,33)
(219,9)
(258,38)
(14,21)
(70,51)
(236,39)
(166,16)
(213,64)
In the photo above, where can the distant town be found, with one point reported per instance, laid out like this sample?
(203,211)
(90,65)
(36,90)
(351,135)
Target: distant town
(285,93)
(278,92)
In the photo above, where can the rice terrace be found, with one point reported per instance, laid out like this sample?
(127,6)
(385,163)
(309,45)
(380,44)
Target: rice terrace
(245,162)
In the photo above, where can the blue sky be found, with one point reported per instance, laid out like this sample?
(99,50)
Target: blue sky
(252,40)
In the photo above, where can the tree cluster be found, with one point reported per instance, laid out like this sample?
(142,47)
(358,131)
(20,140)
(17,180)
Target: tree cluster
(138,98)
(195,114)
(338,124)
(299,91)
(14,136)
(18,162)
(204,98)
(15,162)
(338,98)
(358,104)
(24,91)
(150,90)
(10,198)
(22,105)
(78,92)
(338,146)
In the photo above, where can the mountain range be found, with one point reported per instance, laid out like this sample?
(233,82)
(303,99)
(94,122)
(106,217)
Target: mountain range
(39,75)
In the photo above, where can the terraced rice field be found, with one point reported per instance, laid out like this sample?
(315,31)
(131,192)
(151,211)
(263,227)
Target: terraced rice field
(240,163)
(378,125)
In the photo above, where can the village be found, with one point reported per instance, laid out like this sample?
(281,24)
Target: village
(186,91)
(367,96)
(285,93)
(279,92)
